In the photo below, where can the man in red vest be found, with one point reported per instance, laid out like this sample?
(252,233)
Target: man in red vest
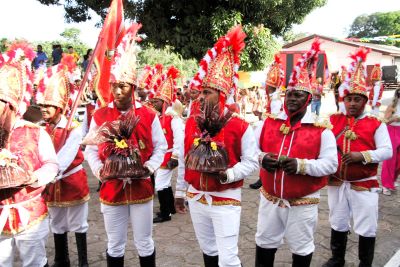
(68,197)
(28,163)
(297,154)
(173,129)
(128,200)
(220,151)
(362,142)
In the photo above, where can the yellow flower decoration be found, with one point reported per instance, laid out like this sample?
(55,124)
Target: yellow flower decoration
(120,144)
(196,141)
(213,146)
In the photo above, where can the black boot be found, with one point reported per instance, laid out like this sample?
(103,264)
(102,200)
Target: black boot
(148,261)
(61,257)
(81,246)
(301,261)
(338,247)
(210,261)
(366,248)
(256,185)
(171,200)
(164,210)
(115,261)
(265,256)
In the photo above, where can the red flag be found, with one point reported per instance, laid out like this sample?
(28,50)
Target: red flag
(110,36)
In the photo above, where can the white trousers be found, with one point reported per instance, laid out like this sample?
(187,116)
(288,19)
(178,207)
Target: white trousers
(296,224)
(162,179)
(362,206)
(30,245)
(217,231)
(116,219)
(69,219)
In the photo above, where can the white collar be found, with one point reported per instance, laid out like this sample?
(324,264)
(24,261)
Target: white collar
(309,117)
(137,104)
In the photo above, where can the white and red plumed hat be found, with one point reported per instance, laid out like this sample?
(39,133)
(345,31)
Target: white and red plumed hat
(301,76)
(55,87)
(16,78)
(165,90)
(376,73)
(123,68)
(355,81)
(153,80)
(275,73)
(219,67)
(144,74)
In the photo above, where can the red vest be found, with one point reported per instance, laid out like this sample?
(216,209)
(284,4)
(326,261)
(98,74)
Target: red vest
(169,135)
(90,108)
(71,190)
(112,191)
(294,186)
(372,95)
(365,129)
(231,135)
(24,142)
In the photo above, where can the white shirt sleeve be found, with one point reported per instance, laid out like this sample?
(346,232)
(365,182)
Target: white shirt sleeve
(178,130)
(248,160)
(160,146)
(181,184)
(48,159)
(85,124)
(276,106)
(327,162)
(70,149)
(92,154)
(383,144)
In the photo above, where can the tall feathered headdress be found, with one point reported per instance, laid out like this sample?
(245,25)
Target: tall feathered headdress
(167,87)
(124,64)
(153,80)
(301,76)
(16,78)
(355,80)
(144,74)
(57,83)
(219,67)
(275,73)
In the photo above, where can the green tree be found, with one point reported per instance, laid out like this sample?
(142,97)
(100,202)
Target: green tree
(377,24)
(189,27)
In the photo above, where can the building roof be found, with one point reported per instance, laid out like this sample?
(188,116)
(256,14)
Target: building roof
(384,49)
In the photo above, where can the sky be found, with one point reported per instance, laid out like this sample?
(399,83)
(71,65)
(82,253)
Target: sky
(33,21)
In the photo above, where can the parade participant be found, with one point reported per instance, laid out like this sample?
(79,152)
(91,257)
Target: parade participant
(391,167)
(194,104)
(68,197)
(128,200)
(293,170)
(25,149)
(173,128)
(375,94)
(215,177)
(362,142)
(334,86)
(274,80)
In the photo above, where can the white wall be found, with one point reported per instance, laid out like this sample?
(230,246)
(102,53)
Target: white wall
(338,54)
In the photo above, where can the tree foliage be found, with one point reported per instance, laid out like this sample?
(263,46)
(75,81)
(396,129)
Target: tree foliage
(376,24)
(190,27)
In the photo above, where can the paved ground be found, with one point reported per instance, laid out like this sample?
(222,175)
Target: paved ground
(177,247)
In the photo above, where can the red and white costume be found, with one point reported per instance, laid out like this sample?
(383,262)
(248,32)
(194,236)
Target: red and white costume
(290,202)
(67,198)
(215,206)
(23,211)
(353,189)
(122,201)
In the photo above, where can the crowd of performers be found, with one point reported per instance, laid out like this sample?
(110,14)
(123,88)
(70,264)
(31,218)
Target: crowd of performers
(141,133)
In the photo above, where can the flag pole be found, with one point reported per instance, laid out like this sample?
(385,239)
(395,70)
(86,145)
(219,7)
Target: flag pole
(80,92)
